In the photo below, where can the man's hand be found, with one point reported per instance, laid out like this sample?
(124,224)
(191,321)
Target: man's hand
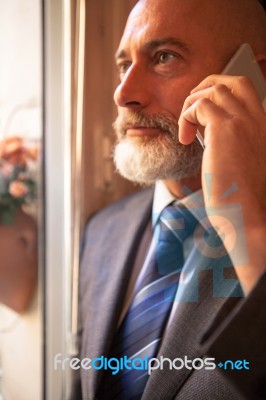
(229,113)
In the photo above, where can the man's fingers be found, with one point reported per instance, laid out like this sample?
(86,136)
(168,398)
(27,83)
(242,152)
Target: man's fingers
(240,86)
(215,100)
(220,95)
(201,113)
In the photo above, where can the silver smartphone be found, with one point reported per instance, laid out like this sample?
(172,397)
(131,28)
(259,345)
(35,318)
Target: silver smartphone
(243,63)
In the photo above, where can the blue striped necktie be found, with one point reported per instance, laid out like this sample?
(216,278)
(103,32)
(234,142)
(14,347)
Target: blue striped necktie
(141,331)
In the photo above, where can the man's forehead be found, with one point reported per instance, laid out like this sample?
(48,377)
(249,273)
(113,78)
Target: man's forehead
(151,20)
(172,8)
(167,12)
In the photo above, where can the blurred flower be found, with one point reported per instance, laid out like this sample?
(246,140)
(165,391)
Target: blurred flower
(18,183)
(10,145)
(18,189)
(15,152)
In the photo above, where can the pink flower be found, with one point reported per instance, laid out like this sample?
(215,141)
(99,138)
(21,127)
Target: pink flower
(15,152)
(18,189)
(10,145)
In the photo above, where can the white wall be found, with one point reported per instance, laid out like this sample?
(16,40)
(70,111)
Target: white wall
(20,68)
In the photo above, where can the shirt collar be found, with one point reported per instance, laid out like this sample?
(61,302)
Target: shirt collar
(194,202)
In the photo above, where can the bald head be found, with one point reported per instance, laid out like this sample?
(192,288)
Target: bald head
(247,19)
(229,22)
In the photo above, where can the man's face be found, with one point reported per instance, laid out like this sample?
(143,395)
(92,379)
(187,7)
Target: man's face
(168,47)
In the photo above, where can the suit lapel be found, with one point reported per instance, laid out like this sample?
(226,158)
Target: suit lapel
(112,273)
(197,304)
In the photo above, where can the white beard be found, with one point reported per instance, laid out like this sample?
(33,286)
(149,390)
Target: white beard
(147,159)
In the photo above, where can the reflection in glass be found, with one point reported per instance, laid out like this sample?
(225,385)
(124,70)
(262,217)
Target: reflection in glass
(20,141)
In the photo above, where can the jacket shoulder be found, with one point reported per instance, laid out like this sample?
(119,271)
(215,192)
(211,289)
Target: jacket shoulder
(127,208)
(139,200)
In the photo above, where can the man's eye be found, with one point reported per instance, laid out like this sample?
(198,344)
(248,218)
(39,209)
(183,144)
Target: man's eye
(164,57)
(122,68)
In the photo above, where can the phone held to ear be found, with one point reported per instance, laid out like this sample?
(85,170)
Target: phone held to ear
(244,63)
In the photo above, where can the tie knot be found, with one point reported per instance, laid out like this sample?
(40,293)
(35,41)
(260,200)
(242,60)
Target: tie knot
(176,223)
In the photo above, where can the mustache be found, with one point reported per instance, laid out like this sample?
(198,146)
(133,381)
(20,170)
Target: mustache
(165,122)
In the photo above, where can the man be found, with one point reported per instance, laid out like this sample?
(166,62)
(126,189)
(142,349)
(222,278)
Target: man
(166,59)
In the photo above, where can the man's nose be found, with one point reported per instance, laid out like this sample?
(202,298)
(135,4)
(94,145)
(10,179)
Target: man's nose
(133,91)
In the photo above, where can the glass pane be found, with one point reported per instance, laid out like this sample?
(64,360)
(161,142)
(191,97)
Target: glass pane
(20,208)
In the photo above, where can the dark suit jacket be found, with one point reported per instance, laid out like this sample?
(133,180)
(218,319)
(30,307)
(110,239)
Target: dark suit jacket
(224,328)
